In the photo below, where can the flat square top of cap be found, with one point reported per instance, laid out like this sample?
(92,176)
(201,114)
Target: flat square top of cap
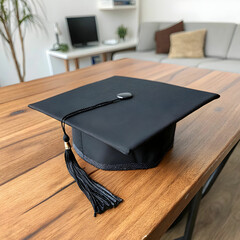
(126,124)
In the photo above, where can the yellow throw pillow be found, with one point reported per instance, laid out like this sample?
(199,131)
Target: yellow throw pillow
(187,44)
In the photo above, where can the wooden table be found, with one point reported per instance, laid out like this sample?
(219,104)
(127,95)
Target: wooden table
(39,199)
(76,53)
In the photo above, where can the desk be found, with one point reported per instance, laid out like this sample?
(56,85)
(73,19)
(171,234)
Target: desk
(39,199)
(75,54)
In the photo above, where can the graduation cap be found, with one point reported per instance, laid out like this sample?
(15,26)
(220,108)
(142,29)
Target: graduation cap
(119,123)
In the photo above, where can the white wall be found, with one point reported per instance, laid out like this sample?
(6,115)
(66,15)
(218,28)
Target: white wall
(191,10)
(37,42)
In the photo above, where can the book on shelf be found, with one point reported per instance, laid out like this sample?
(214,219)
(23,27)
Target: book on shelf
(123,2)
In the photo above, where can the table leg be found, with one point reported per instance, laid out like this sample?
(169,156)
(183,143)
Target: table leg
(104,56)
(66,62)
(50,64)
(76,63)
(215,174)
(192,216)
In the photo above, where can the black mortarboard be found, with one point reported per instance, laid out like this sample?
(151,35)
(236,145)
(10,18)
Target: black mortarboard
(120,123)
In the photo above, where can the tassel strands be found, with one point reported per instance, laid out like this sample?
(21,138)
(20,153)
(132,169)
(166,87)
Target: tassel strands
(100,198)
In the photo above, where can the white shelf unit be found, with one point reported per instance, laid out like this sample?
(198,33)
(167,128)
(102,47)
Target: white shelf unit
(109,5)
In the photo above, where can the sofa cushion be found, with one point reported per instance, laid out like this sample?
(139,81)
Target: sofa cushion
(147,55)
(218,38)
(222,65)
(234,50)
(146,39)
(187,44)
(191,62)
(162,37)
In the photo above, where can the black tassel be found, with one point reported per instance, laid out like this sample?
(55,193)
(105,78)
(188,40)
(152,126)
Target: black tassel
(100,198)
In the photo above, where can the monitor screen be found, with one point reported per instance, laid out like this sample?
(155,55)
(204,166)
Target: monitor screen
(82,30)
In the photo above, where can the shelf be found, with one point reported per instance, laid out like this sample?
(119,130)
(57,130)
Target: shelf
(109,5)
(119,7)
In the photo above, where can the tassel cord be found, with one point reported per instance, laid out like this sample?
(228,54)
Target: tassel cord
(85,110)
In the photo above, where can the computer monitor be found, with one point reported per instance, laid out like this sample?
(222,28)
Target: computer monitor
(82,30)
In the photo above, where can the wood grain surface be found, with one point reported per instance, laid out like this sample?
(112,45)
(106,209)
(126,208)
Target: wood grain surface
(39,199)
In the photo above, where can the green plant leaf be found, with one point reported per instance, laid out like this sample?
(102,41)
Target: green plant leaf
(25,18)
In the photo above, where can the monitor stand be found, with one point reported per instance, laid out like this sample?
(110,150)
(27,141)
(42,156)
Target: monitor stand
(86,45)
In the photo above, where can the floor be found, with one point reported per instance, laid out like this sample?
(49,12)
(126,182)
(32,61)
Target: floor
(219,212)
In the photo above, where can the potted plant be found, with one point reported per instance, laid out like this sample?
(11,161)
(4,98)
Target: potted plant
(15,17)
(122,32)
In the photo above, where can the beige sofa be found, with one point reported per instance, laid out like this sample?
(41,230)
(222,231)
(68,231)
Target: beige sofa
(222,47)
